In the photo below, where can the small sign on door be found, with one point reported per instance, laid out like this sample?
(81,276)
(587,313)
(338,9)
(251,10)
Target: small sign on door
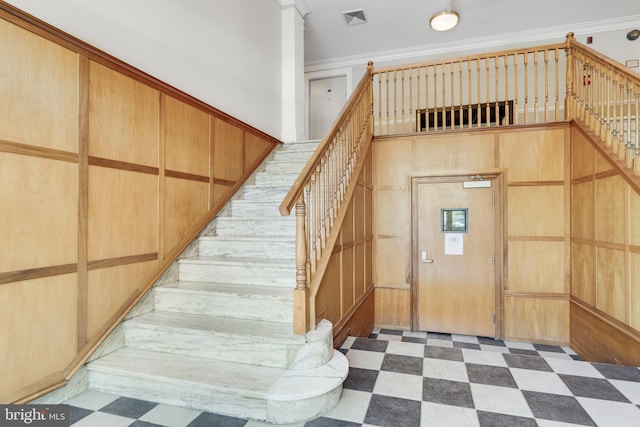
(454,244)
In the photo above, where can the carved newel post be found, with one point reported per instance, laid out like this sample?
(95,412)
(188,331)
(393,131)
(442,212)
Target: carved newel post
(300,309)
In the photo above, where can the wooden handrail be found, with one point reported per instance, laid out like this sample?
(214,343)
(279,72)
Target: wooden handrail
(319,191)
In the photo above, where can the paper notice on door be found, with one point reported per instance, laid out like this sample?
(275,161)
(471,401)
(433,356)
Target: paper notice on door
(453,244)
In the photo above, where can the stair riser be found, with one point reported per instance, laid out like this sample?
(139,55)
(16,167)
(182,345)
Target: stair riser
(267,194)
(291,156)
(231,348)
(243,210)
(300,146)
(223,306)
(256,227)
(238,274)
(275,179)
(248,249)
(184,395)
(288,167)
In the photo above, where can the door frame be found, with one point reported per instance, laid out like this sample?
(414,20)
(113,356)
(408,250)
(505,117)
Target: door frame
(319,75)
(498,178)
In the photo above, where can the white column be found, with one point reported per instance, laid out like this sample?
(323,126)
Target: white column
(293,123)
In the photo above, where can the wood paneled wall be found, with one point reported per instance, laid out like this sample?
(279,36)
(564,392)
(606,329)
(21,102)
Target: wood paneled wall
(535,159)
(106,174)
(348,279)
(605,246)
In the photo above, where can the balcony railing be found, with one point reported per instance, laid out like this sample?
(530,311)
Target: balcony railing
(496,89)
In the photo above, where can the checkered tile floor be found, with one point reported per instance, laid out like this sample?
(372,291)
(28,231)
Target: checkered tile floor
(407,379)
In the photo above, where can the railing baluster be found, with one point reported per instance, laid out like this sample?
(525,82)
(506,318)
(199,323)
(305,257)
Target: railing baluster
(628,151)
(546,86)
(516,102)
(535,86)
(418,116)
(479,121)
(557,86)
(526,88)
(636,156)
(410,109)
(486,91)
(469,91)
(497,90)
(461,102)
(607,99)
(387,102)
(507,111)
(444,99)
(452,95)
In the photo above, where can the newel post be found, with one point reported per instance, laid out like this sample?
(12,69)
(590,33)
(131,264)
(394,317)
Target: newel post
(300,309)
(569,98)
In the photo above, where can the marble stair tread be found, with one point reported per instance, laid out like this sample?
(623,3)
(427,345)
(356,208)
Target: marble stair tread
(201,373)
(282,165)
(250,238)
(272,219)
(196,324)
(300,145)
(259,246)
(272,293)
(248,262)
(250,208)
(268,179)
(262,382)
(276,193)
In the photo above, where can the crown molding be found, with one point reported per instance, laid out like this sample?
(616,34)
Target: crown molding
(481,43)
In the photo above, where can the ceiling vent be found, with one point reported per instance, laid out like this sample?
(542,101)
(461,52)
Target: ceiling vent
(354,17)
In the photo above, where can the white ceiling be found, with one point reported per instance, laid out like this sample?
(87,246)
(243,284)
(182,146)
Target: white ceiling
(403,24)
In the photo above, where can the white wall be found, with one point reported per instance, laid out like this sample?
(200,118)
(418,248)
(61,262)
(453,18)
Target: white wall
(223,52)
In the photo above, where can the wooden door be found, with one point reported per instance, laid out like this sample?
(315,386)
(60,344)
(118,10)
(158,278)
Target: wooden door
(456,276)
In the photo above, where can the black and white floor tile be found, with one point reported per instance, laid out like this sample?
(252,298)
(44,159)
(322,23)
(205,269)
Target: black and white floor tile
(415,379)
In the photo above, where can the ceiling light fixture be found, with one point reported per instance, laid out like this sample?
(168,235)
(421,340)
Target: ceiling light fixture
(445,20)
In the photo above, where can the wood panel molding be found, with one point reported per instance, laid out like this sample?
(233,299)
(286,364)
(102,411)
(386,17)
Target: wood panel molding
(534,183)
(36,273)
(226,182)
(536,238)
(187,176)
(126,260)
(33,151)
(540,295)
(125,166)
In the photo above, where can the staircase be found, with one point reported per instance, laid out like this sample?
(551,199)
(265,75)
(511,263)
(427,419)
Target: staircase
(220,338)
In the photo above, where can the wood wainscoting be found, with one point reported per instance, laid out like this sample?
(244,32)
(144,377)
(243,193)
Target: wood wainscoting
(598,338)
(605,254)
(536,262)
(345,296)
